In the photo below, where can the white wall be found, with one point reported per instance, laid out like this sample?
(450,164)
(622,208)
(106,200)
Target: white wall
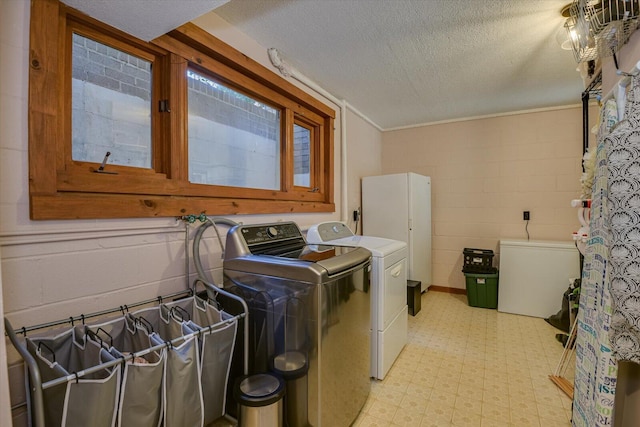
(364,158)
(628,57)
(55,269)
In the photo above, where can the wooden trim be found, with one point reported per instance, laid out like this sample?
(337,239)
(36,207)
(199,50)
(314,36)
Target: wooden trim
(288,170)
(314,147)
(177,136)
(226,54)
(96,206)
(227,76)
(65,47)
(448,290)
(327,153)
(121,41)
(156,184)
(43,102)
(315,158)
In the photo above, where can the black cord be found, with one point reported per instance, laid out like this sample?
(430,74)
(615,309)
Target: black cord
(615,60)
(526,228)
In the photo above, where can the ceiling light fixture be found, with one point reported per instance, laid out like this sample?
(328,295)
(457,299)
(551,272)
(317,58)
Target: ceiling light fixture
(599,28)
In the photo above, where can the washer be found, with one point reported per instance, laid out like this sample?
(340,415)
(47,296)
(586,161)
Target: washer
(389,312)
(309,314)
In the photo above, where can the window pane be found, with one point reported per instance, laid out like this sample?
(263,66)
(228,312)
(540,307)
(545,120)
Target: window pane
(234,140)
(111,105)
(301,156)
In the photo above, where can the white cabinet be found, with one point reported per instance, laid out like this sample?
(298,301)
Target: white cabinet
(398,207)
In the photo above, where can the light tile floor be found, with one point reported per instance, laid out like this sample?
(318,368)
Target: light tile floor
(466,366)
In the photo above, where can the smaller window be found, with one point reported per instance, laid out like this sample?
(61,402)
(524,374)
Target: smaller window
(302,156)
(111,105)
(234,140)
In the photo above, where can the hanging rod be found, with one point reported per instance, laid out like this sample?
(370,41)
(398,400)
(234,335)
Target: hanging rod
(81,318)
(132,356)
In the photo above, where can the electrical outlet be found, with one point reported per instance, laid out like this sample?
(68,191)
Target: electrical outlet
(526,215)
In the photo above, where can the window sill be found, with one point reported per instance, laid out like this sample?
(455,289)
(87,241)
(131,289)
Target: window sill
(101,206)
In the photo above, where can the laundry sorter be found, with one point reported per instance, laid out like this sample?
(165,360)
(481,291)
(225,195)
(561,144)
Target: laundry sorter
(125,367)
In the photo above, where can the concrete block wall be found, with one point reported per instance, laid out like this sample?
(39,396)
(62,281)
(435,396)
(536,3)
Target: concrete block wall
(225,155)
(486,172)
(50,276)
(218,103)
(104,66)
(111,121)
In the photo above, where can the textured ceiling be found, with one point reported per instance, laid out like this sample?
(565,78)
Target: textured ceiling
(408,62)
(145,19)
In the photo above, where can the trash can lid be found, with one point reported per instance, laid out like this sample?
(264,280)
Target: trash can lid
(291,364)
(259,390)
(259,385)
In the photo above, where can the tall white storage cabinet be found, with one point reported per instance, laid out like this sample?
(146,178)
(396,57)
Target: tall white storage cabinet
(398,207)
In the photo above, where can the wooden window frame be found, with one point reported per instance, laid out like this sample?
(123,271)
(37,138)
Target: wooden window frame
(76,175)
(60,188)
(315,161)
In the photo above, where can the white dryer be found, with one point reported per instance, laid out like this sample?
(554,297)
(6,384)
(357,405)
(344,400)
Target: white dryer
(389,315)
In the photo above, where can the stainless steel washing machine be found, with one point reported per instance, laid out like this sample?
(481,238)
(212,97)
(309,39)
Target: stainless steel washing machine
(309,303)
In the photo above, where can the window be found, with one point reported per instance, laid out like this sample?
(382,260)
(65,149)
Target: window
(234,140)
(183,124)
(110,103)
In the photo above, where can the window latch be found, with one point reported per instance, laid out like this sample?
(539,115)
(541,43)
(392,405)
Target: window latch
(103,164)
(164,106)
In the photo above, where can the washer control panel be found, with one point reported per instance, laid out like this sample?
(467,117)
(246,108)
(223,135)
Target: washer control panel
(267,233)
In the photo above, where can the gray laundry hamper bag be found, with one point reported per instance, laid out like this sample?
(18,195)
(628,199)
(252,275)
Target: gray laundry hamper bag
(90,400)
(182,389)
(216,348)
(141,392)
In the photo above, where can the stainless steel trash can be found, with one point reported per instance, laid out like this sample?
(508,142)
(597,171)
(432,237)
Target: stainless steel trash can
(260,400)
(293,367)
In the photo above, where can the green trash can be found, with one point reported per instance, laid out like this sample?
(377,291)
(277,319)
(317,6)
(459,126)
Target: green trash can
(482,290)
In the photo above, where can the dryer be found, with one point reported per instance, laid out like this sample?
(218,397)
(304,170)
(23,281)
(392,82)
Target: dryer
(389,311)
